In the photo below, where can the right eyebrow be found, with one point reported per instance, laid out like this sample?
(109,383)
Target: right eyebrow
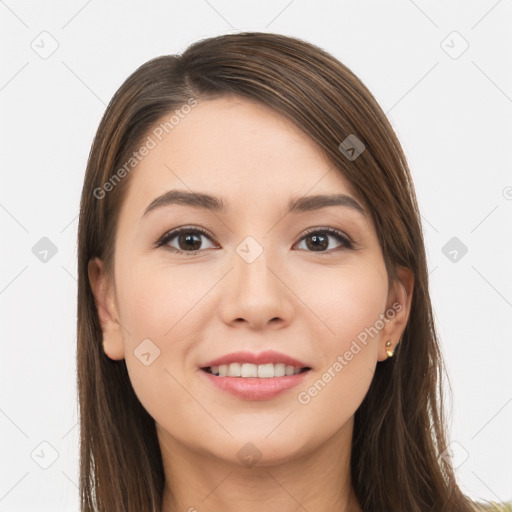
(194,199)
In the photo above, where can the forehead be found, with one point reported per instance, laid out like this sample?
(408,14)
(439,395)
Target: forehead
(238,149)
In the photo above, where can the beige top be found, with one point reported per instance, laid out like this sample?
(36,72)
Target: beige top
(493,507)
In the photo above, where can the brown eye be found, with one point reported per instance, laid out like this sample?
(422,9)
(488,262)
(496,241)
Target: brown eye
(319,240)
(185,240)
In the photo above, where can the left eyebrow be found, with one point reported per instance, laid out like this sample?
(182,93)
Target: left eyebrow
(309,203)
(212,203)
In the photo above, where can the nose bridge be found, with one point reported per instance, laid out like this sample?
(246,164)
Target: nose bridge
(252,270)
(255,293)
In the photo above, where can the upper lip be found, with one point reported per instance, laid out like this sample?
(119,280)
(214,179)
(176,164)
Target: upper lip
(269,356)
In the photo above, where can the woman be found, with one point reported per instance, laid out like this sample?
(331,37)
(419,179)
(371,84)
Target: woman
(254,324)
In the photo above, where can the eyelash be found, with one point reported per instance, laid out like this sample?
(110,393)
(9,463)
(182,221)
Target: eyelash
(338,235)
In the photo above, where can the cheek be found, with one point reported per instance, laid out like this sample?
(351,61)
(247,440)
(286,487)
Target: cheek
(157,337)
(348,301)
(160,308)
(158,303)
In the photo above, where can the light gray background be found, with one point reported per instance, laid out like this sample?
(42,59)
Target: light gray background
(451,111)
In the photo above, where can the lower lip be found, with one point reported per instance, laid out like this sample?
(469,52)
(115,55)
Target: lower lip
(254,388)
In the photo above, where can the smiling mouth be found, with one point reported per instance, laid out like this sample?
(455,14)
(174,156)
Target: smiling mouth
(247,370)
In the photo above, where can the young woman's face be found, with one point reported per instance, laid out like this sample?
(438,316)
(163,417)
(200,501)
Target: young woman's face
(249,277)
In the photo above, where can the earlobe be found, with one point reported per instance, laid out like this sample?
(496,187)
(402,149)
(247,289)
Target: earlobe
(113,344)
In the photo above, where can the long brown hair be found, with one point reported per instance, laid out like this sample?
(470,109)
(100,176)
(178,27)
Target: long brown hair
(399,439)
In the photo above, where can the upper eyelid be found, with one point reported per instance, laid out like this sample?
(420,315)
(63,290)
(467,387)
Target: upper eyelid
(176,231)
(329,230)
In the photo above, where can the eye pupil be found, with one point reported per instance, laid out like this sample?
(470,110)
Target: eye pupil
(189,238)
(319,242)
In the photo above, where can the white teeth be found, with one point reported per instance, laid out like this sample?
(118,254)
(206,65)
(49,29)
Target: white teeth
(280,370)
(262,371)
(266,371)
(248,370)
(234,370)
(289,370)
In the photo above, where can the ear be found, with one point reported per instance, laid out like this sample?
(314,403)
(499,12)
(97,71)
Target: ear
(104,296)
(397,311)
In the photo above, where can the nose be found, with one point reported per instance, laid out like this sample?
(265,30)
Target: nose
(256,294)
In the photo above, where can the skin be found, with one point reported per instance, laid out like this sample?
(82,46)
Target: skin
(310,304)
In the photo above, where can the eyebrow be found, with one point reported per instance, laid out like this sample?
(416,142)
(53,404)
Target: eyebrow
(212,203)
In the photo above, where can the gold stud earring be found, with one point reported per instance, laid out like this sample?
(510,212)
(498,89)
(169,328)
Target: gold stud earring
(388,351)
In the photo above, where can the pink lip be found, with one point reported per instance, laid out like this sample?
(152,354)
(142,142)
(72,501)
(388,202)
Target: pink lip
(269,356)
(254,388)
